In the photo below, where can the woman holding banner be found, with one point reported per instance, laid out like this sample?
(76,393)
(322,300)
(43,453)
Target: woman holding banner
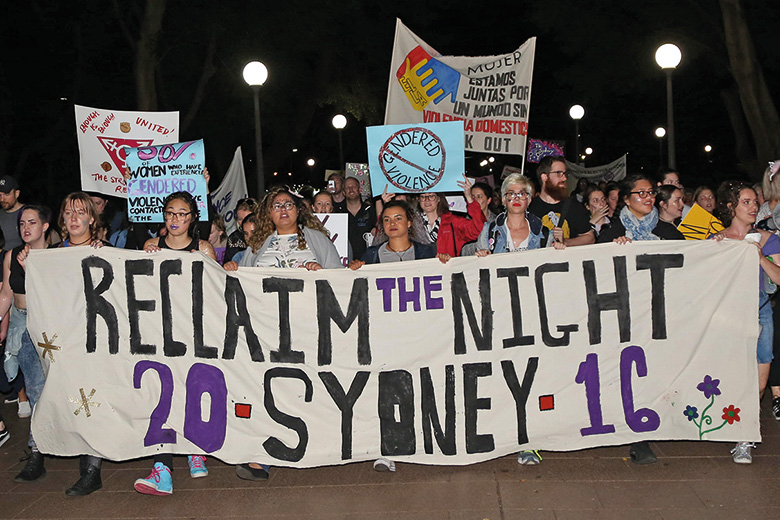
(515,229)
(738,210)
(180,213)
(449,231)
(670,205)
(20,351)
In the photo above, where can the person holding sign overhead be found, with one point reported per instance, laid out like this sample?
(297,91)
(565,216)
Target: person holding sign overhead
(448,231)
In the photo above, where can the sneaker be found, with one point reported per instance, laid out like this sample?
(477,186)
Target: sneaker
(89,482)
(24,410)
(247,472)
(383,465)
(197,466)
(776,408)
(642,453)
(159,482)
(4,436)
(741,452)
(33,469)
(529,458)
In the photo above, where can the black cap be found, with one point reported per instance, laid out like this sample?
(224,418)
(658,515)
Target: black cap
(8,184)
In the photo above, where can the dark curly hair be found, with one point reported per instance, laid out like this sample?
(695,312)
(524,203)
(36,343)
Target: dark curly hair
(728,198)
(265,226)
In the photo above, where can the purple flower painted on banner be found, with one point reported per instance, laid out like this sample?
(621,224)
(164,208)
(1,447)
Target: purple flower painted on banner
(709,387)
(691,412)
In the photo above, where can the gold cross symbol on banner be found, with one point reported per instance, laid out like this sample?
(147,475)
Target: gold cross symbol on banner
(48,346)
(85,402)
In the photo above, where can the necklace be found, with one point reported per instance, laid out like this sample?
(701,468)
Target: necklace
(80,243)
(399,254)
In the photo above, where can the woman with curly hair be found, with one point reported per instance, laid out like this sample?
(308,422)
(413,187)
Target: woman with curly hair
(401,237)
(287,234)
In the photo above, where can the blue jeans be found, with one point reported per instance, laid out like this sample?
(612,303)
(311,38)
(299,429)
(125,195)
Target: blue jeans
(34,379)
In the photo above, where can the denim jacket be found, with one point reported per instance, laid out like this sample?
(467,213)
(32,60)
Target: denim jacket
(494,235)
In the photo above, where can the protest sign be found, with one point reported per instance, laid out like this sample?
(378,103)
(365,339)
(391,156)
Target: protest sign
(538,149)
(104,137)
(490,94)
(232,189)
(336,224)
(361,173)
(416,159)
(699,224)
(158,171)
(614,171)
(420,362)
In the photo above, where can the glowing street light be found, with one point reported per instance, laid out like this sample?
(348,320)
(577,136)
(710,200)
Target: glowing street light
(339,122)
(668,56)
(310,162)
(255,74)
(576,112)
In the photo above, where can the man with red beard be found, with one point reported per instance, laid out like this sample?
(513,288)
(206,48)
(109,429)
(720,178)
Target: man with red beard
(568,220)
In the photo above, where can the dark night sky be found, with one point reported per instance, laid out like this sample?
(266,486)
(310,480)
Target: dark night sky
(330,57)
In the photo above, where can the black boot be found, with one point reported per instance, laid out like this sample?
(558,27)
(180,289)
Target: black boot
(33,470)
(642,453)
(90,481)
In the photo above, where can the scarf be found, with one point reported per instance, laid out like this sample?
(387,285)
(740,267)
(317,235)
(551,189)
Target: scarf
(639,228)
(433,232)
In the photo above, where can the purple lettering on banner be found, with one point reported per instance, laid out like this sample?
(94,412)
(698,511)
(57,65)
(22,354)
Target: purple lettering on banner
(405,297)
(386,285)
(210,435)
(644,419)
(589,374)
(156,434)
(432,284)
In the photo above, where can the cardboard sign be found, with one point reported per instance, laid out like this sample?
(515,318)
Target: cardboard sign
(699,224)
(417,361)
(336,224)
(104,136)
(158,171)
(416,159)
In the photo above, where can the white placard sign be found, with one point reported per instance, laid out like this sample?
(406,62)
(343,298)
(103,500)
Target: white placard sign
(419,361)
(336,224)
(103,137)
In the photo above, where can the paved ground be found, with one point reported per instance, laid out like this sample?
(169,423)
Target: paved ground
(690,481)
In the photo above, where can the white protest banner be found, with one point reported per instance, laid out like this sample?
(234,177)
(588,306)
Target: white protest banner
(416,158)
(490,94)
(614,171)
(232,189)
(105,135)
(336,224)
(157,171)
(417,361)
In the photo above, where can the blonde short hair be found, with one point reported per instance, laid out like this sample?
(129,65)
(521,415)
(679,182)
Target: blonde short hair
(516,178)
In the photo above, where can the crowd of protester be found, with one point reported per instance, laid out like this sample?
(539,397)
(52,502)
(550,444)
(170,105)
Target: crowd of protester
(281,230)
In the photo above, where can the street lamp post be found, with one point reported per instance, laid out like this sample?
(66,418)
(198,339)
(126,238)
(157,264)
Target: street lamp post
(339,122)
(255,74)
(660,132)
(576,112)
(668,56)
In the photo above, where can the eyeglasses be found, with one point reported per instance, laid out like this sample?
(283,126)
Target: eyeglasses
(428,196)
(512,195)
(559,172)
(643,194)
(286,206)
(170,215)
(249,201)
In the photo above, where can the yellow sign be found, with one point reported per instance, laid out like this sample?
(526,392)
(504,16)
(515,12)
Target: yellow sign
(699,224)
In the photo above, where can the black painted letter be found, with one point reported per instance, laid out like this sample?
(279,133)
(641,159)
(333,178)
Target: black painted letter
(328,309)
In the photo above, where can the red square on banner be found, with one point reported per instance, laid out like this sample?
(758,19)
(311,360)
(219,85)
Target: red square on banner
(546,402)
(243,410)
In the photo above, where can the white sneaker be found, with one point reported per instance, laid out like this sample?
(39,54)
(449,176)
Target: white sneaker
(384,465)
(741,452)
(24,410)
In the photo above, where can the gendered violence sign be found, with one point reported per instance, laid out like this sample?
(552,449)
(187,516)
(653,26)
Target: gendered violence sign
(490,94)
(422,362)
(158,171)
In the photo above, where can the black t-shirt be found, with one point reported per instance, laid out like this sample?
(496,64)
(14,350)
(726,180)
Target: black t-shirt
(577,218)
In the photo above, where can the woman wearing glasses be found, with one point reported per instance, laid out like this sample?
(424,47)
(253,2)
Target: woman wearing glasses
(289,235)
(449,231)
(180,212)
(638,217)
(515,229)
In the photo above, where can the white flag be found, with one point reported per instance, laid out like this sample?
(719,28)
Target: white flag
(232,189)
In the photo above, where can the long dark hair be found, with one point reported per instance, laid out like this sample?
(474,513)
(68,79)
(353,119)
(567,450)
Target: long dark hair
(187,198)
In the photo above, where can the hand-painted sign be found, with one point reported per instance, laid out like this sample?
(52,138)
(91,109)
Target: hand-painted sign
(336,224)
(699,224)
(104,136)
(158,171)
(416,361)
(490,94)
(416,159)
